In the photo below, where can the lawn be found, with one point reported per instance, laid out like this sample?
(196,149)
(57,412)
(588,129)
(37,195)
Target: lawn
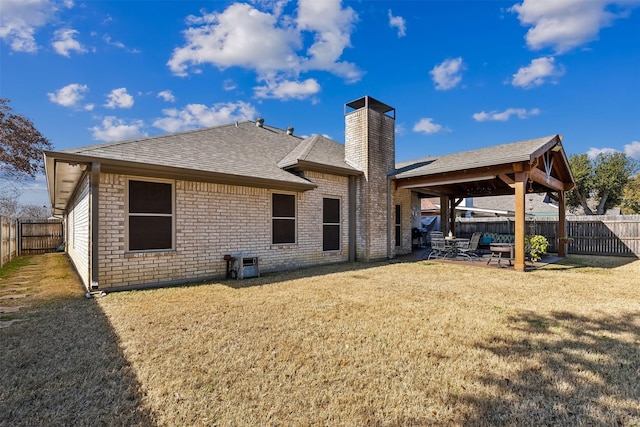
(421,343)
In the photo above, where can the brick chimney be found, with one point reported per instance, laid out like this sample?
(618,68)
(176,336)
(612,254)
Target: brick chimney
(370,146)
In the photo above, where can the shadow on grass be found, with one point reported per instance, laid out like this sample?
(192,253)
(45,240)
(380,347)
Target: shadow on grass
(302,273)
(62,366)
(578,371)
(585,261)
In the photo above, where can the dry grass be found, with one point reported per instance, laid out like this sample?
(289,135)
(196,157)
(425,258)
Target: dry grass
(371,344)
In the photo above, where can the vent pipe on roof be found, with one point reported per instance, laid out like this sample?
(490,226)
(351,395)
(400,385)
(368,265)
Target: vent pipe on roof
(290,130)
(260,122)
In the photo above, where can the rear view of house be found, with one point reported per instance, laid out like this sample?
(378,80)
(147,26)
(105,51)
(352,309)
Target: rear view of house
(166,209)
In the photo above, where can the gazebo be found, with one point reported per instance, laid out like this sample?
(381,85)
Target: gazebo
(536,165)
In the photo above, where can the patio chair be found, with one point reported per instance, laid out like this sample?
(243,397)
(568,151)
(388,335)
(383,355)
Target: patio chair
(471,250)
(436,234)
(439,248)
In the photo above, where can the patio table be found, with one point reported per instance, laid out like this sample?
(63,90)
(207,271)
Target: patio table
(498,249)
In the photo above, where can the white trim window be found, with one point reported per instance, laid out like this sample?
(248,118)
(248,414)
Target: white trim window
(330,224)
(283,219)
(150,215)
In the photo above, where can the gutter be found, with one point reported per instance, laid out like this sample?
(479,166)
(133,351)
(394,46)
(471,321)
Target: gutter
(389,217)
(95,217)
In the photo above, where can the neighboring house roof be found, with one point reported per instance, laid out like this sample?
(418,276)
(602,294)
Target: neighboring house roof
(534,204)
(239,154)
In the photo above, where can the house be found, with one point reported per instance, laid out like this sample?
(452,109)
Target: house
(167,209)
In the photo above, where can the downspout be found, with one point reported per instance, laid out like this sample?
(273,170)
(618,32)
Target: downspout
(352,218)
(95,190)
(389,217)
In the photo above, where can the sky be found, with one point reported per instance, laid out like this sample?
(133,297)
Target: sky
(461,74)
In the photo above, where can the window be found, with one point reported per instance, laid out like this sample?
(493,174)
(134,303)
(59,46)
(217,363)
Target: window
(330,224)
(150,215)
(283,213)
(398,227)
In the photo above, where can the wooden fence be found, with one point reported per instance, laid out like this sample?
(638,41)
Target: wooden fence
(40,236)
(616,235)
(8,240)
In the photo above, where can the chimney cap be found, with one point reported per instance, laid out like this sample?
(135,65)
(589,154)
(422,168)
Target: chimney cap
(372,103)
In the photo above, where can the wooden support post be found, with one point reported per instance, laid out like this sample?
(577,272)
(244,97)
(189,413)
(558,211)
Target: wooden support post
(520,184)
(562,225)
(444,213)
(452,215)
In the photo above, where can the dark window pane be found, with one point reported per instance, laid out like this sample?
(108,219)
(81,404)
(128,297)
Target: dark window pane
(149,232)
(331,211)
(284,231)
(331,237)
(149,197)
(398,226)
(284,205)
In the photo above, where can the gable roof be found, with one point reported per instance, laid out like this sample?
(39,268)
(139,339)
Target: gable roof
(318,153)
(483,157)
(238,154)
(490,170)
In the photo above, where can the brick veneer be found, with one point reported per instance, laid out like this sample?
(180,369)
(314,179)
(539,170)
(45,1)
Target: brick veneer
(213,220)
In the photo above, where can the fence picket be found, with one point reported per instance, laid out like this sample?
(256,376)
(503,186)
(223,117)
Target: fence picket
(592,234)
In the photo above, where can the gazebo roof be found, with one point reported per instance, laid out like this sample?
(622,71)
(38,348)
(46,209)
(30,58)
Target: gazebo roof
(491,170)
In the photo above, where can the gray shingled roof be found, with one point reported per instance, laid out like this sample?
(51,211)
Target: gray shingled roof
(242,150)
(317,150)
(489,156)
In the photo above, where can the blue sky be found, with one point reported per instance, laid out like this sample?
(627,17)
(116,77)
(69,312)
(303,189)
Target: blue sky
(461,74)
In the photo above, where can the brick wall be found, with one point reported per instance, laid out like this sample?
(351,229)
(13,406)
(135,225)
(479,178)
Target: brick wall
(213,220)
(370,145)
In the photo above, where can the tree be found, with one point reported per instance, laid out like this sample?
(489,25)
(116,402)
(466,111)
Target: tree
(21,145)
(631,196)
(600,181)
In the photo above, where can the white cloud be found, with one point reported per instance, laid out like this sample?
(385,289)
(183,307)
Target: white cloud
(20,19)
(332,34)
(566,24)
(68,96)
(270,43)
(108,40)
(239,36)
(537,73)
(167,95)
(288,89)
(64,42)
(633,150)
(229,85)
(503,116)
(119,98)
(114,129)
(428,127)
(399,23)
(198,115)
(447,74)
(593,152)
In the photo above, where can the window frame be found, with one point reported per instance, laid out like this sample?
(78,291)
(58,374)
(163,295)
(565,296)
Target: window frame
(398,226)
(129,214)
(293,218)
(332,224)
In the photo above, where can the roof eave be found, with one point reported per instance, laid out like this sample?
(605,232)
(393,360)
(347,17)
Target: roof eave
(303,165)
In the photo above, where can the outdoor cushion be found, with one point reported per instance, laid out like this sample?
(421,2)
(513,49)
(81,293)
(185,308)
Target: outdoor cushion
(486,240)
